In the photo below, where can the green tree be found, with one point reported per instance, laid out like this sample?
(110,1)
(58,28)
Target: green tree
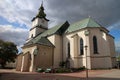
(118,58)
(8,52)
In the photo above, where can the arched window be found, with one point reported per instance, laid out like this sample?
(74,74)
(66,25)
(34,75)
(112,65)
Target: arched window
(32,36)
(81,47)
(95,47)
(68,48)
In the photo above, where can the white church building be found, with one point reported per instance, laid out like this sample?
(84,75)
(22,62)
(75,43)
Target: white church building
(77,43)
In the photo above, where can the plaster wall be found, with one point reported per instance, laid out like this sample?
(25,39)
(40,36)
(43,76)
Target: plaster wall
(44,57)
(77,60)
(56,40)
(102,59)
(93,60)
(38,21)
(29,49)
(19,62)
(112,50)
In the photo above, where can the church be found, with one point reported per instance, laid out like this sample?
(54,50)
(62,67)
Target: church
(83,43)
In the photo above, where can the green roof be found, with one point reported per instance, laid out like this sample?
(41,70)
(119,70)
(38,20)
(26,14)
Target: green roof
(88,22)
(62,28)
(41,13)
(44,41)
(42,38)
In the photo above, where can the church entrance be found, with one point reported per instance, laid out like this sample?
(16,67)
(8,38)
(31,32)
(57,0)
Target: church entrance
(27,61)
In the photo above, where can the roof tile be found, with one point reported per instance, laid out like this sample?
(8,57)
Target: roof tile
(88,22)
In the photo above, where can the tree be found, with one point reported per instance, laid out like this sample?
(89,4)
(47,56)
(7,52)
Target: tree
(118,58)
(8,52)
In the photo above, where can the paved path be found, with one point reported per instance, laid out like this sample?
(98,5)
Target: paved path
(112,74)
(93,74)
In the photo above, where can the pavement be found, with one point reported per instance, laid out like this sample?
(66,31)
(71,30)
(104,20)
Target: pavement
(113,74)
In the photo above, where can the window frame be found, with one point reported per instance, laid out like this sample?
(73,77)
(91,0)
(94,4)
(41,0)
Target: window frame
(81,48)
(68,50)
(95,45)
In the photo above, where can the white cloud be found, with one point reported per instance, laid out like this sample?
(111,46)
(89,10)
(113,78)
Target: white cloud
(16,35)
(21,11)
(115,25)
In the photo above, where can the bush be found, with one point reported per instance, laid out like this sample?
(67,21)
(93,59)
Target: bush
(40,70)
(62,64)
(74,69)
(63,70)
(78,69)
(81,68)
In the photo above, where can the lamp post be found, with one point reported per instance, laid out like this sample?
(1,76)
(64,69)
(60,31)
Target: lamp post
(86,34)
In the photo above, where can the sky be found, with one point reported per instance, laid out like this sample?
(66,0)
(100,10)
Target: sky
(16,16)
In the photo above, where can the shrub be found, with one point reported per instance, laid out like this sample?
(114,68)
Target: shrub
(62,64)
(63,70)
(81,68)
(78,69)
(40,70)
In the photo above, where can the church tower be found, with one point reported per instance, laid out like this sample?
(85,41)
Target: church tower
(39,23)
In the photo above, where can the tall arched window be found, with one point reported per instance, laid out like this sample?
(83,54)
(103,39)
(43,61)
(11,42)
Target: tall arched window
(81,47)
(68,48)
(32,36)
(95,47)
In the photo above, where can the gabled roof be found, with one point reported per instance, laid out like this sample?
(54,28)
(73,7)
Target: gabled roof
(61,29)
(42,38)
(44,41)
(88,22)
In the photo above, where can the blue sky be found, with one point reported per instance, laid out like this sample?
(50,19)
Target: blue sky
(16,16)
(4,21)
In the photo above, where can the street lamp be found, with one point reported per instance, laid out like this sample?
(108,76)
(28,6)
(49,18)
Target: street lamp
(86,34)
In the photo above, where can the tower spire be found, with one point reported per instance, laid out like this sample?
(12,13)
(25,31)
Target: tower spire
(41,7)
(41,13)
(42,3)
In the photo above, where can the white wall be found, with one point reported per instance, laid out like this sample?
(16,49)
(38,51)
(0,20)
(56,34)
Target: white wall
(93,60)
(74,39)
(35,30)
(56,40)
(31,50)
(39,21)
(112,50)
(102,59)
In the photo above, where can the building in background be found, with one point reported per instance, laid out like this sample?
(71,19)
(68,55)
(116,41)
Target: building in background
(46,48)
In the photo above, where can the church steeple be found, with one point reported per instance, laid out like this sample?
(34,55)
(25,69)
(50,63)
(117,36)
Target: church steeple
(39,23)
(41,13)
